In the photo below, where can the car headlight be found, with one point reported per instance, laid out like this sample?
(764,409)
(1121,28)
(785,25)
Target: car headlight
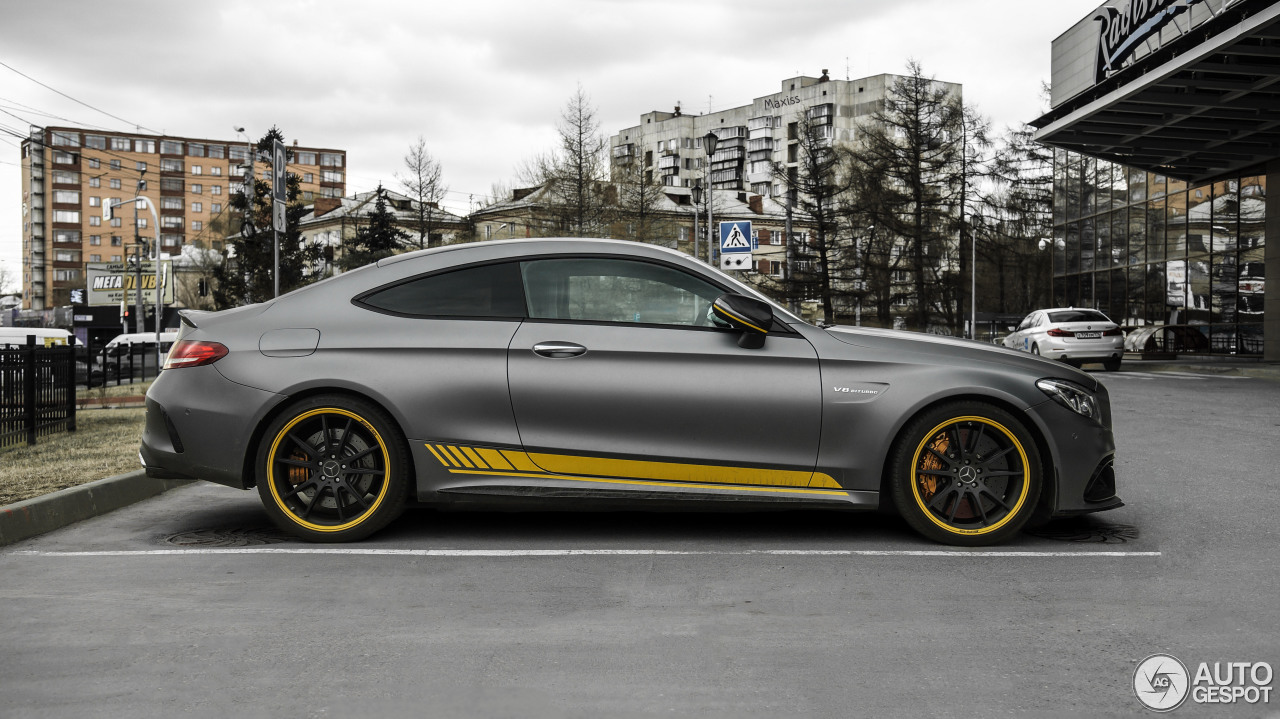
(1072,396)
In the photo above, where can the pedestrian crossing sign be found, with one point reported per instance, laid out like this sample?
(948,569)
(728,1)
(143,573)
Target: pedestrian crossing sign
(735,237)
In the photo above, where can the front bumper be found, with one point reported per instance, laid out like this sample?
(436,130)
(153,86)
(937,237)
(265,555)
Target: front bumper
(200,425)
(1082,454)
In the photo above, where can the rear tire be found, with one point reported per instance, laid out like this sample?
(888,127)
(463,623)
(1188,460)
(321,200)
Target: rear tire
(333,468)
(966,473)
(1112,365)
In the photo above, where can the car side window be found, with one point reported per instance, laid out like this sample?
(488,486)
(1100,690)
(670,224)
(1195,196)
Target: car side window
(611,290)
(1026,322)
(480,291)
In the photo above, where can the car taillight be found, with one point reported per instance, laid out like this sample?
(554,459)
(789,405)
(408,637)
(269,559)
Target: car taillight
(1113,332)
(1055,332)
(193,353)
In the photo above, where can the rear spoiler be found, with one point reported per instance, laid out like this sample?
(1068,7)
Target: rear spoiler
(188,317)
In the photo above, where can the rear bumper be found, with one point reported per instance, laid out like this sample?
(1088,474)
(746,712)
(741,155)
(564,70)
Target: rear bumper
(1088,350)
(199,425)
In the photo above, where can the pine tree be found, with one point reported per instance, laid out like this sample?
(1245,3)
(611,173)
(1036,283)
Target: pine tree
(375,240)
(246,276)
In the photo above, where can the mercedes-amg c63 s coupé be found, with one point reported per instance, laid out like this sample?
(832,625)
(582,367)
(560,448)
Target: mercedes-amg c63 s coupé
(611,374)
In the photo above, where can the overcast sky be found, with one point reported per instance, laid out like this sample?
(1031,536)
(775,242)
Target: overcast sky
(482,82)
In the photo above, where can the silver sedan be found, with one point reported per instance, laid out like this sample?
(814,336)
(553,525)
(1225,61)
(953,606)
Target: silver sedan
(1072,334)
(542,372)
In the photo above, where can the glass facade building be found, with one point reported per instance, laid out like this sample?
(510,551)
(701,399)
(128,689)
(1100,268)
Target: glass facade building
(1150,250)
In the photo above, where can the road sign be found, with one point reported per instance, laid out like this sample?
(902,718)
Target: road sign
(279,173)
(737,261)
(735,237)
(278,216)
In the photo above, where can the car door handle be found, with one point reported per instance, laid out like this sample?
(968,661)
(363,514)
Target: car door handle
(559,349)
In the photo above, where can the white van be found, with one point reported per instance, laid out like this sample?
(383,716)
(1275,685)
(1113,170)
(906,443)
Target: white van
(121,343)
(45,336)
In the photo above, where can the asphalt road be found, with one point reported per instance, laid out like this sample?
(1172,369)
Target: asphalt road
(188,605)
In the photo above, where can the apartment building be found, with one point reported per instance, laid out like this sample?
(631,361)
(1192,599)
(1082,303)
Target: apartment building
(751,137)
(68,173)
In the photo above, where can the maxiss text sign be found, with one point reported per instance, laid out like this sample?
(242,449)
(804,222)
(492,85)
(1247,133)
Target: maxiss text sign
(111,283)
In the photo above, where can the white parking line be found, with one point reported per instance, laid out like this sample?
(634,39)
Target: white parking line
(584,552)
(1168,375)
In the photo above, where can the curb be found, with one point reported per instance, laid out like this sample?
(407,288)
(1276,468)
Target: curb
(1256,370)
(31,517)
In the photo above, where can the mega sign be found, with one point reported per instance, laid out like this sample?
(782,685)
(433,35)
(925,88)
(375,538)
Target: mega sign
(110,283)
(1123,29)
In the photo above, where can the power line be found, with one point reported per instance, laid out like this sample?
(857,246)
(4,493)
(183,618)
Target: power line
(91,107)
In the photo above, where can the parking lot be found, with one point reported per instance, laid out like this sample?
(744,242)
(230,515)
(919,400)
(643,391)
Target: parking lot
(190,604)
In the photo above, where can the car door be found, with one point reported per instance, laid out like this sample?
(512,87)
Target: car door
(619,371)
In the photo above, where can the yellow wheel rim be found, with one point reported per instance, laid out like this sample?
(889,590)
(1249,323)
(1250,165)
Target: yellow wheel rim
(319,475)
(959,480)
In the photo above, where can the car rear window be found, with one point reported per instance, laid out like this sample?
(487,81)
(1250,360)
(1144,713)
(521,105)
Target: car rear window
(1078,316)
(482,291)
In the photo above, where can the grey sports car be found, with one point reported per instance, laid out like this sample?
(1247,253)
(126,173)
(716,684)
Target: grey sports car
(611,374)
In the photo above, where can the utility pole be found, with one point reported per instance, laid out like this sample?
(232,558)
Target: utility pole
(138,246)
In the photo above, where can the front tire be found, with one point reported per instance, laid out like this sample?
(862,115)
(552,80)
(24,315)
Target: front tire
(333,469)
(966,473)
(1035,350)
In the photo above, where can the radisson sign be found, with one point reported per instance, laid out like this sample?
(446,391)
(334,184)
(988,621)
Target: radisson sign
(1123,30)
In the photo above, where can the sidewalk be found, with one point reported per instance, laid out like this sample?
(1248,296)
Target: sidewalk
(1221,366)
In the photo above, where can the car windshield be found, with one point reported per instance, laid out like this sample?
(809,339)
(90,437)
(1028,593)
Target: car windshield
(1078,316)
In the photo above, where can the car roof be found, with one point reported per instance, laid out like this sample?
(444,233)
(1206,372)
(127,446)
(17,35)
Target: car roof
(534,244)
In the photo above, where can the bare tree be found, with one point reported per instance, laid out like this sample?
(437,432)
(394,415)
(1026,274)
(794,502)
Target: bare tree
(424,184)
(576,173)
(637,212)
(8,280)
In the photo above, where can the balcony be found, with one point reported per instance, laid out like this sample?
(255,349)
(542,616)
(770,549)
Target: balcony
(764,143)
(669,162)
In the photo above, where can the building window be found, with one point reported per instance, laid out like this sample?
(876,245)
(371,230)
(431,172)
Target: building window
(62,177)
(66,275)
(170,240)
(308,195)
(94,163)
(116,222)
(195,149)
(95,182)
(197,189)
(95,258)
(142,166)
(95,239)
(308,177)
(116,242)
(170,147)
(217,151)
(115,258)
(115,165)
(215,171)
(171,222)
(171,203)
(114,183)
(66,216)
(197,170)
(66,139)
(215,189)
(171,184)
(120,143)
(197,225)
(64,158)
(95,202)
(238,153)
(304,158)
(66,236)
(66,196)
(330,176)
(330,159)
(66,256)
(144,146)
(97,142)
(215,208)
(197,207)
(142,223)
(170,165)
(95,221)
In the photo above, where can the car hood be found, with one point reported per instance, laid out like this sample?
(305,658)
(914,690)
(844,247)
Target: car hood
(940,348)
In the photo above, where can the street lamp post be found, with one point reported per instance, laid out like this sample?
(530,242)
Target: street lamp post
(695,193)
(709,142)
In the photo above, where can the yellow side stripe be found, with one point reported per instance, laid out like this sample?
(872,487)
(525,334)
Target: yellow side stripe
(475,458)
(682,485)
(507,461)
(461,457)
(437,454)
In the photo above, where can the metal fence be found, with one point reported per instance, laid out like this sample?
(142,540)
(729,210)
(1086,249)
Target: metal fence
(124,364)
(37,392)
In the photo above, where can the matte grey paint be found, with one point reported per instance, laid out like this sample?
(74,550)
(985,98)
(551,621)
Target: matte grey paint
(641,392)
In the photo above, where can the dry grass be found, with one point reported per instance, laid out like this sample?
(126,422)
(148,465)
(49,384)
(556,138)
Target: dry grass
(137,389)
(105,444)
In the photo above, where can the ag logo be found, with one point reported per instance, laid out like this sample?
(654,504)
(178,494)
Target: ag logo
(1161,682)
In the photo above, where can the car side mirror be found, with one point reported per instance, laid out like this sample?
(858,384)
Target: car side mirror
(748,315)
